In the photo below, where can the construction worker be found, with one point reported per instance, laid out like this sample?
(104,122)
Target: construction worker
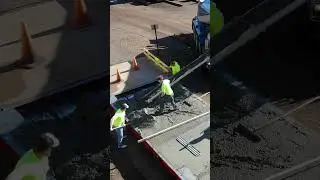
(117,123)
(174,67)
(34,164)
(167,93)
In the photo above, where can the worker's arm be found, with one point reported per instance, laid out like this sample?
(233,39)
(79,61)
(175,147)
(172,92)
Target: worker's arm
(24,172)
(111,122)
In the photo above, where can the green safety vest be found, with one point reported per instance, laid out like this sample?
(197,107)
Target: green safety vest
(175,68)
(216,20)
(166,88)
(118,118)
(30,167)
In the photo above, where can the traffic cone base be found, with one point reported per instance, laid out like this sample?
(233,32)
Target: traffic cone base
(27,56)
(118,76)
(81,15)
(135,64)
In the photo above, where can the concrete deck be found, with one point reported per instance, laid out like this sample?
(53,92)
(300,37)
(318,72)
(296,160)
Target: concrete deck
(131,79)
(168,148)
(64,57)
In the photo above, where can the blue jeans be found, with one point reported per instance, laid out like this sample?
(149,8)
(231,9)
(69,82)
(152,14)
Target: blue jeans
(119,132)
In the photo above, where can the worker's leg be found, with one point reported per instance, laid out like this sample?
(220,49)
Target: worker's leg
(162,103)
(119,132)
(172,101)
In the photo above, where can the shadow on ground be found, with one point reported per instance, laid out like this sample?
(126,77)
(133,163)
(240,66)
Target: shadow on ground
(236,9)
(180,48)
(144,2)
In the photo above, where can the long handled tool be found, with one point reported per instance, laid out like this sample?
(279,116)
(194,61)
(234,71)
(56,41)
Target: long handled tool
(172,127)
(295,169)
(202,59)
(250,133)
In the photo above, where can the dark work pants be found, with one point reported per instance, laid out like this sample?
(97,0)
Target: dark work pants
(165,99)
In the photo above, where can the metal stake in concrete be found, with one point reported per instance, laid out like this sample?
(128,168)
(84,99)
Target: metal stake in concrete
(155,27)
(173,127)
(294,170)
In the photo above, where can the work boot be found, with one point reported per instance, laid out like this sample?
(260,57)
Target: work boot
(122,146)
(175,107)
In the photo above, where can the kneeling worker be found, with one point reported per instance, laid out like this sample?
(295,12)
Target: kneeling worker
(118,123)
(34,164)
(167,93)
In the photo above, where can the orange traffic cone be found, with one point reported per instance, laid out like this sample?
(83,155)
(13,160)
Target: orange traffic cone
(118,76)
(26,48)
(135,64)
(81,15)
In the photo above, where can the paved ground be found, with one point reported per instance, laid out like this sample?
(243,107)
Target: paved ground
(130,29)
(63,55)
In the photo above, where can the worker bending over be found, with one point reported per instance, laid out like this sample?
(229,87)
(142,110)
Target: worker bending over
(118,123)
(174,67)
(34,164)
(167,93)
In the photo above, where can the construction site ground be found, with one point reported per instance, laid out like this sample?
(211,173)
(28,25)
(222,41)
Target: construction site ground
(77,118)
(262,80)
(147,120)
(279,77)
(130,31)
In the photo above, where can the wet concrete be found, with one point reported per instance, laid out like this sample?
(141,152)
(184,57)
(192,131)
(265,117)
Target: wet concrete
(282,144)
(147,120)
(280,76)
(77,118)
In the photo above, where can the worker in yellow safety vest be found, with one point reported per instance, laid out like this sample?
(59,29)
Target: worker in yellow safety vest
(167,93)
(174,67)
(34,164)
(117,123)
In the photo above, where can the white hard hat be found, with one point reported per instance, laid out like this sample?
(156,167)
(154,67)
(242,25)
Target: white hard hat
(55,141)
(125,105)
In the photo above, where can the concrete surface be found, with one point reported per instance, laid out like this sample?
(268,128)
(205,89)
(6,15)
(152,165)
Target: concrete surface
(166,144)
(280,76)
(283,145)
(63,56)
(174,152)
(131,79)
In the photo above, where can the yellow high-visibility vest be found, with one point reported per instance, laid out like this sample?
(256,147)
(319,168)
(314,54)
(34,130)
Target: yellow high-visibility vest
(175,68)
(216,20)
(118,118)
(30,167)
(166,87)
